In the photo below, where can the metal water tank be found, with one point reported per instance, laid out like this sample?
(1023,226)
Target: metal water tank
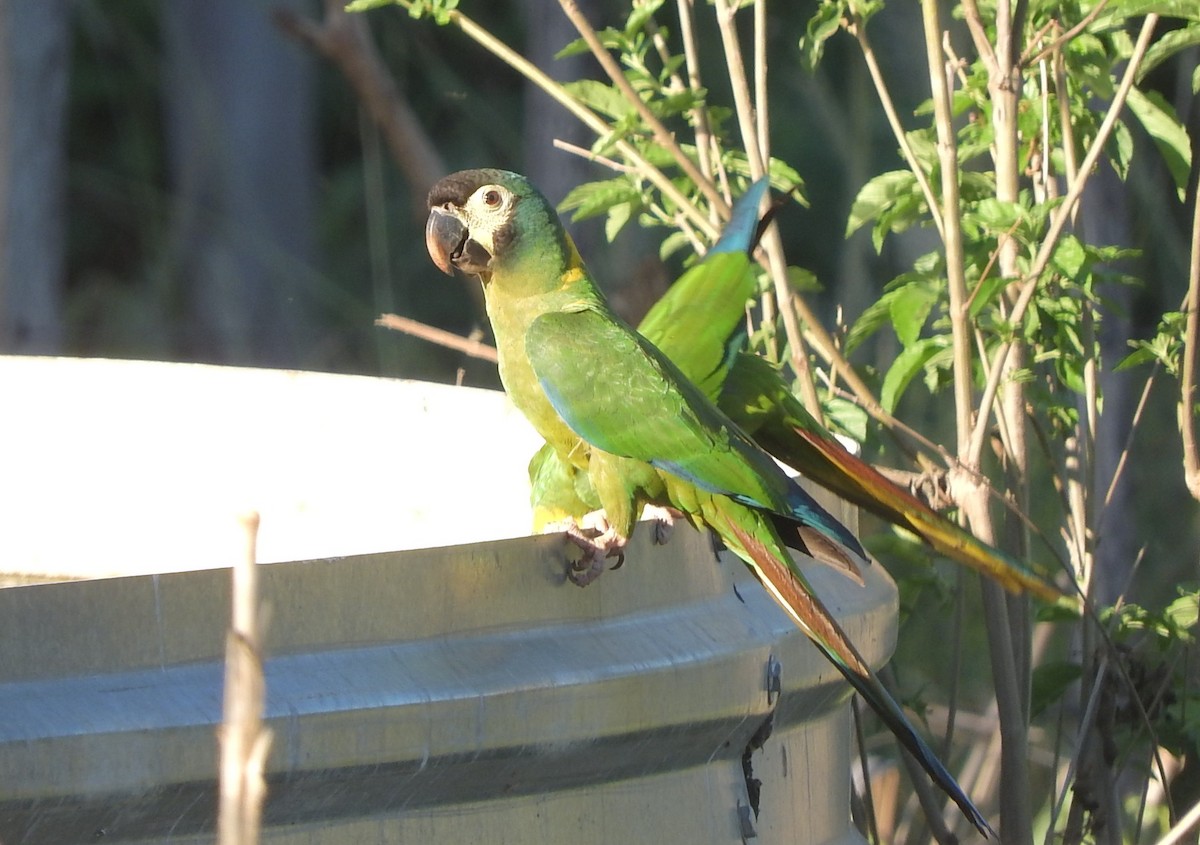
(451,687)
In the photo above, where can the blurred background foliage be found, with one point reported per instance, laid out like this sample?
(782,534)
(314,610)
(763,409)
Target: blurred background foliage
(125,293)
(224,198)
(191,181)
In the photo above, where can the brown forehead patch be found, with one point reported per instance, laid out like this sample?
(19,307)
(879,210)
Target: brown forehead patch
(457,188)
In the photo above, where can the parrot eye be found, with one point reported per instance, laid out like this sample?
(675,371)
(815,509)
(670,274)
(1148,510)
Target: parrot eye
(492,199)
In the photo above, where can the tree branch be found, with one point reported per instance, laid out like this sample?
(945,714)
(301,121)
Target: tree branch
(441,337)
(343,39)
(1191,347)
(1059,220)
(661,133)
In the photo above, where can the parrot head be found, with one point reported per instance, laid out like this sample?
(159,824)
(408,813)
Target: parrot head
(482,221)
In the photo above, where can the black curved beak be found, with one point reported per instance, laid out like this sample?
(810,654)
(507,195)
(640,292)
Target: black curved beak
(444,237)
(450,245)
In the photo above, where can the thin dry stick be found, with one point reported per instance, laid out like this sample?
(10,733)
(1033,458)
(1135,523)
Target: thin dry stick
(1058,43)
(761,108)
(661,133)
(928,797)
(1187,382)
(691,54)
(585,115)
(952,239)
(244,740)
(344,40)
(439,336)
(773,303)
(1085,725)
(979,34)
(865,768)
(788,305)
(583,152)
(1185,826)
(859,31)
(967,492)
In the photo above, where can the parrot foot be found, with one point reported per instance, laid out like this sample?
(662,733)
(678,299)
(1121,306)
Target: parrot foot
(599,542)
(664,522)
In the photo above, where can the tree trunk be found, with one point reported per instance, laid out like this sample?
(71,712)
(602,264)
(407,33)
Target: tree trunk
(239,119)
(34,66)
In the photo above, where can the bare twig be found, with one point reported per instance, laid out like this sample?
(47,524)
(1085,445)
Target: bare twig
(756,154)
(584,153)
(1057,44)
(928,797)
(577,109)
(1185,826)
(1191,347)
(691,53)
(661,133)
(344,40)
(859,31)
(441,337)
(979,34)
(244,740)
(952,235)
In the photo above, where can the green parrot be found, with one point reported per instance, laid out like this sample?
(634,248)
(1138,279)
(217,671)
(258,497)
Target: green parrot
(699,325)
(613,406)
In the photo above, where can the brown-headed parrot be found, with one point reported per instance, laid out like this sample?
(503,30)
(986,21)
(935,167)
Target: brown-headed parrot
(699,324)
(613,406)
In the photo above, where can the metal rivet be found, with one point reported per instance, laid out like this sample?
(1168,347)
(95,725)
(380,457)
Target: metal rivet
(774,679)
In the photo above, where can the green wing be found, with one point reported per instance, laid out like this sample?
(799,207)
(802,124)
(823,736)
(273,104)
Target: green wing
(699,323)
(620,394)
(617,393)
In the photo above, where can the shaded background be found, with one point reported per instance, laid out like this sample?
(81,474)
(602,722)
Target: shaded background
(189,181)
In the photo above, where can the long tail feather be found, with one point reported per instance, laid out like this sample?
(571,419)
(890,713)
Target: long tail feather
(794,594)
(828,463)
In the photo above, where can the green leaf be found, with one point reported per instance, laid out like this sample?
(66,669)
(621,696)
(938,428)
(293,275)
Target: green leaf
(997,216)
(600,97)
(820,28)
(1184,612)
(1061,612)
(592,199)
(642,12)
(367,5)
(878,196)
(1069,256)
(848,417)
(1160,120)
(1115,12)
(1139,356)
(803,281)
(618,216)
(874,316)
(439,10)
(985,293)
(671,244)
(578,47)
(908,364)
(904,212)
(909,309)
(1050,683)
(1166,46)
(1120,149)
